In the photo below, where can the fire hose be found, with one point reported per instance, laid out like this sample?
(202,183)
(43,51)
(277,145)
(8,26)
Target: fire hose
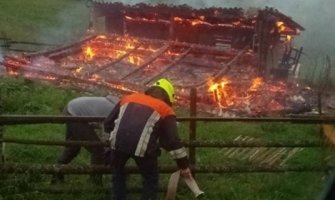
(173,186)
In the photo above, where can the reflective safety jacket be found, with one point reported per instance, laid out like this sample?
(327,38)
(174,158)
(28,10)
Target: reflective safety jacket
(140,124)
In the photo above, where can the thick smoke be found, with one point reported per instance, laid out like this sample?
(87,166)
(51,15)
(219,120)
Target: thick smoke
(70,24)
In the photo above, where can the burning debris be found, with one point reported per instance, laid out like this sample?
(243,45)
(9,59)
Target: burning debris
(221,52)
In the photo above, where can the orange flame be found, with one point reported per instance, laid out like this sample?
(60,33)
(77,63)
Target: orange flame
(135,60)
(281,26)
(79,69)
(177,19)
(101,37)
(219,92)
(89,53)
(256,83)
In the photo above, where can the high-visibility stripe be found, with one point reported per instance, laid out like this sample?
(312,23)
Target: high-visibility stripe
(112,137)
(146,133)
(178,153)
(158,105)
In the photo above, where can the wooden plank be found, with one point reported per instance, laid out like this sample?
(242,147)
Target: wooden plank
(151,58)
(329,131)
(169,66)
(114,61)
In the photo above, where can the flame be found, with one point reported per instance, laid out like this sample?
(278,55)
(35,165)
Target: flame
(237,23)
(102,37)
(130,45)
(135,60)
(178,19)
(89,53)
(79,69)
(220,92)
(256,83)
(229,95)
(281,26)
(171,53)
(140,19)
(289,38)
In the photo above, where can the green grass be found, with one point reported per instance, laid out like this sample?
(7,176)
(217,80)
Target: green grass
(43,20)
(66,20)
(17,93)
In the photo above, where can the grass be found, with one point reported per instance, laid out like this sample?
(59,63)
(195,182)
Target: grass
(43,20)
(16,93)
(64,20)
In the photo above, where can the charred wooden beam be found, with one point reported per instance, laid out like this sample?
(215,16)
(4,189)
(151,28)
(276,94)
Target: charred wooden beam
(114,61)
(63,48)
(169,66)
(118,86)
(151,59)
(225,68)
(196,48)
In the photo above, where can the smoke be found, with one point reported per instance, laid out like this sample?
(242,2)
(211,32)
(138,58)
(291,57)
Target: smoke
(69,24)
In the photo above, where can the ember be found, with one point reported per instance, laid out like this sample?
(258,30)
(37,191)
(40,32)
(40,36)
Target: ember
(89,54)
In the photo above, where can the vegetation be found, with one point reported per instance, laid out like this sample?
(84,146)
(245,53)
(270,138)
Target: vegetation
(43,20)
(20,96)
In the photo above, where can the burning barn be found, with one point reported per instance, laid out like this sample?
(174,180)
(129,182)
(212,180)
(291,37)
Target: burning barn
(240,60)
(267,31)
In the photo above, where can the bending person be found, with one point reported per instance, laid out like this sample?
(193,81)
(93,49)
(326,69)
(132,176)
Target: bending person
(83,131)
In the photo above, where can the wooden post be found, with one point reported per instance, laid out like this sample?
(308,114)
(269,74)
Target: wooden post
(192,135)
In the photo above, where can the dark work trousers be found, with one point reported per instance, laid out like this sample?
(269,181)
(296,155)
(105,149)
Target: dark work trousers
(148,167)
(84,132)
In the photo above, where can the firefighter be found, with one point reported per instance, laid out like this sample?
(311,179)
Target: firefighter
(139,125)
(83,131)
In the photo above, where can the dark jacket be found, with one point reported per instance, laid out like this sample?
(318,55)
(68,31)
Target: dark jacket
(140,124)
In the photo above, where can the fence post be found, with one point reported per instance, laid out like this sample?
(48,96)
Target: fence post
(192,127)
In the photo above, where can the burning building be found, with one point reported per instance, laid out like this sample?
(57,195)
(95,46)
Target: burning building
(239,60)
(267,31)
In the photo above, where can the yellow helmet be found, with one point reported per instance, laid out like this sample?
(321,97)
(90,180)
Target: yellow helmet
(167,87)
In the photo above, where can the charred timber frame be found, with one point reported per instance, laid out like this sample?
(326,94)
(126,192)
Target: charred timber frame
(151,59)
(225,69)
(108,85)
(169,66)
(65,49)
(111,64)
(166,45)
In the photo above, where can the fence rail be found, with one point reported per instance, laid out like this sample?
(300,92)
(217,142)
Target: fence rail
(39,119)
(192,143)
